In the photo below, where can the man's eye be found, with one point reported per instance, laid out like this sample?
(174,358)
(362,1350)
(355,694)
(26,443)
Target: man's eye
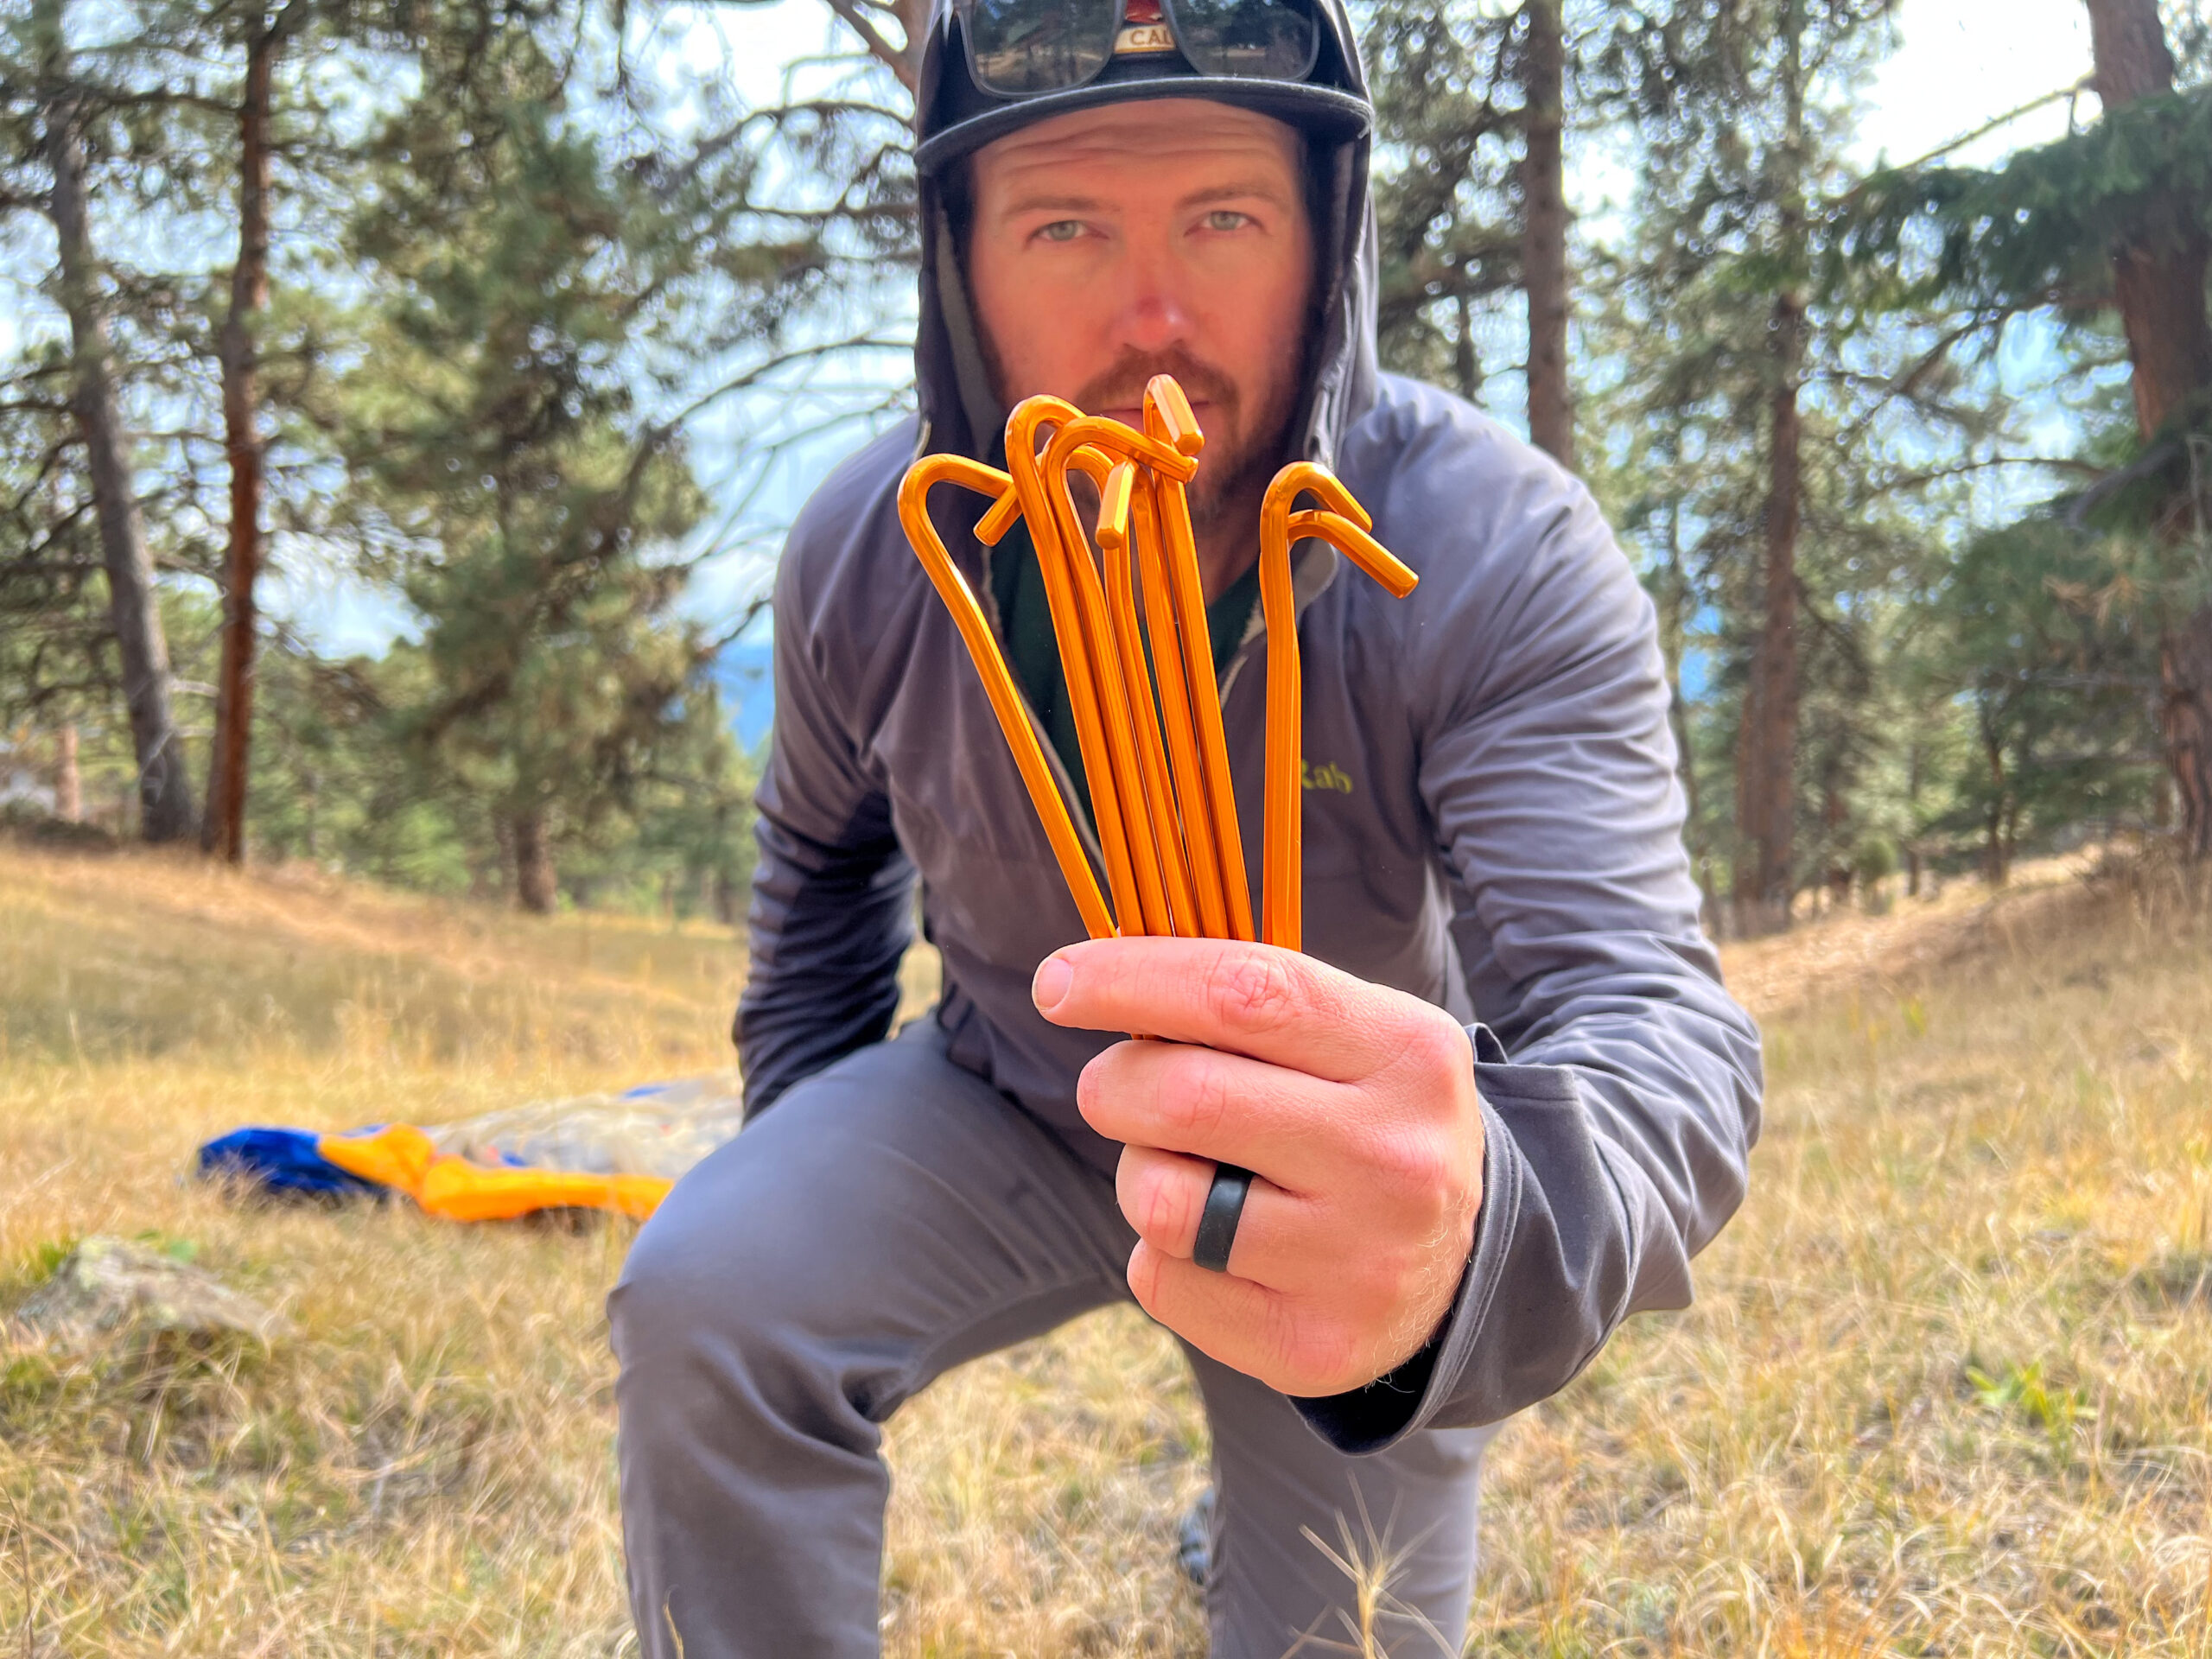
(1061,230)
(1227,219)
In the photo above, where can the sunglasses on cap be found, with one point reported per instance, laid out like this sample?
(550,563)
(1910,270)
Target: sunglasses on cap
(1023,48)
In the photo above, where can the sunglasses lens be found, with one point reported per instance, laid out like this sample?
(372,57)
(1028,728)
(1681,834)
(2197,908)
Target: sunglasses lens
(1020,47)
(1267,40)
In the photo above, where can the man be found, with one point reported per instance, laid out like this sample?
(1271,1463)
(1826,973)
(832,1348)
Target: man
(1447,1218)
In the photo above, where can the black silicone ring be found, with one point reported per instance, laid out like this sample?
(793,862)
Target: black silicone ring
(1217,1221)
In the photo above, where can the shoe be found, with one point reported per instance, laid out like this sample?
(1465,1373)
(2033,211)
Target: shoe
(1194,1540)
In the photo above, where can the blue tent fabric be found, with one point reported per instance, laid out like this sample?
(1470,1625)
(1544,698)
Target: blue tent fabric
(281,1161)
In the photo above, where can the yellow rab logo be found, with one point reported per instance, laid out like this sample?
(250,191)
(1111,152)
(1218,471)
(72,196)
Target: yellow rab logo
(1327,776)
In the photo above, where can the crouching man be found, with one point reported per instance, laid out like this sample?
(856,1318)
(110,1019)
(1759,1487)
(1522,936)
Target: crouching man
(1493,1111)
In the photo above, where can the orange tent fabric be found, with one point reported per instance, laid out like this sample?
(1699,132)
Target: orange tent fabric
(401,1156)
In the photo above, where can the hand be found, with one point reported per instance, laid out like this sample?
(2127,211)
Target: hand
(1354,1106)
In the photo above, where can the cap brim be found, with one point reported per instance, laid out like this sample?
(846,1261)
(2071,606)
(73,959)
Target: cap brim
(1320,109)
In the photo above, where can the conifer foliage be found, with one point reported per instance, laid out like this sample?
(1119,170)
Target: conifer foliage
(427,299)
(515,315)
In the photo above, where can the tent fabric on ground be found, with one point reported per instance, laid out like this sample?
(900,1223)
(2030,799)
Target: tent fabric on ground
(597,1151)
(279,1160)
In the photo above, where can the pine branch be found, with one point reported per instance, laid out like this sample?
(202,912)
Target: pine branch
(878,47)
(2143,465)
(1988,127)
(760,372)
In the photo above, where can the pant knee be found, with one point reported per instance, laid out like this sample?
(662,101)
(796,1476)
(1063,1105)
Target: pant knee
(714,1322)
(655,1309)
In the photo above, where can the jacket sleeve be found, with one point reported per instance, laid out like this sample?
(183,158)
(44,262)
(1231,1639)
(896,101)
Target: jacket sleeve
(1620,1083)
(832,893)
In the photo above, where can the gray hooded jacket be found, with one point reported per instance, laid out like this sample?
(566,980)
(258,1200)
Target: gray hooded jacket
(1492,822)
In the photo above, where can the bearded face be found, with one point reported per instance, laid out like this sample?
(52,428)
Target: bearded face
(1148,238)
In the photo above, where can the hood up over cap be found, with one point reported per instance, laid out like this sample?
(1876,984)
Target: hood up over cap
(960,413)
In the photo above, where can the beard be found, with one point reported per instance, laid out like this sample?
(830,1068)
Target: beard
(1244,441)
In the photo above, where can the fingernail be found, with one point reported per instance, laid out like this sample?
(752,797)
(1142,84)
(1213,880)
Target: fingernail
(1050,985)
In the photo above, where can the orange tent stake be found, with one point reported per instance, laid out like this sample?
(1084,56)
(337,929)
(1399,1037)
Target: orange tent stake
(998,683)
(1282,881)
(1114,702)
(1118,556)
(1176,697)
(1135,648)
(1356,544)
(1167,417)
(1083,649)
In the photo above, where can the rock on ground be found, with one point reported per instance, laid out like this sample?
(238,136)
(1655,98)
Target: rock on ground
(109,1286)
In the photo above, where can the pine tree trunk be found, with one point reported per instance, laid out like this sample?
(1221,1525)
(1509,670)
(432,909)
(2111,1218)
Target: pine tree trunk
(1994,868)
(2159,288)
(224,828)
(2185,722)
(68,782)
(1676,625)
(1767,800)
(536,888)
(1543,232)
(165,809)
(1466,370)
(1766,769)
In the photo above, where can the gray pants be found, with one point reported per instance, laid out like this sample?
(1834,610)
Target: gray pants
(888,1220)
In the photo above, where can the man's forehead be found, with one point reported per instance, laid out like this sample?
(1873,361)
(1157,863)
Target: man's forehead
(1161,134)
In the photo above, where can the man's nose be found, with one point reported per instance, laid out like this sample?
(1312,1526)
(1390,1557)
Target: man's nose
(1154,314)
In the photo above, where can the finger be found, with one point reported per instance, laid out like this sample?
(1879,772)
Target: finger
(1262,1332)
(1164,1194)
(1292,1128)
(1255,1000)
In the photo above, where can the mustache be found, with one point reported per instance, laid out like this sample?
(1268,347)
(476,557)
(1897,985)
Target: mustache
(1121,385)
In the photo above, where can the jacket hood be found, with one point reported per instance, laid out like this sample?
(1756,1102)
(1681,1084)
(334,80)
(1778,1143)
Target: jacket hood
(961,414)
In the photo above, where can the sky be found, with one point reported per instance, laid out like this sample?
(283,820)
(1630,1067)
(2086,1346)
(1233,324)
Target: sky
(1959,64)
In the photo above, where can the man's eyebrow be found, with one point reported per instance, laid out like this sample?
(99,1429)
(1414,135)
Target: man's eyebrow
(1053,202)
(1240,190)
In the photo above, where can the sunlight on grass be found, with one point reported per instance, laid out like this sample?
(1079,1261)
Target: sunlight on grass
(1946,1389)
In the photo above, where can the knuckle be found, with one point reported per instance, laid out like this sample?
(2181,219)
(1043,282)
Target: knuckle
(1090,1085)
(1396,1276)
(1325,1354)
(1163,1211)
(1195,1097)
(1436,1045)
(1413,1169)
(1252,991)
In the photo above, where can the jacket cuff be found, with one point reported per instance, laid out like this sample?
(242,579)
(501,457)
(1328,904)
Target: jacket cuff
(1548,1278)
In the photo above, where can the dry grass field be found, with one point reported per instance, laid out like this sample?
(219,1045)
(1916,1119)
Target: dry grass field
(1948,1388)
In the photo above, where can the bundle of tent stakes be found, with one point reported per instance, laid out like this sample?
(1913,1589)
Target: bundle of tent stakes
(1131,628)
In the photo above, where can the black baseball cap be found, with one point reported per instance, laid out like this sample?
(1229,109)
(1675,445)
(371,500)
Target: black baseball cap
(958,116)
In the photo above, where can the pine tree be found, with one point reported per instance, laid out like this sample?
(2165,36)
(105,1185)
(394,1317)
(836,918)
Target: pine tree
(69,118)
(1740,109)
(2111,224)
(533,512)
(1444,187)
